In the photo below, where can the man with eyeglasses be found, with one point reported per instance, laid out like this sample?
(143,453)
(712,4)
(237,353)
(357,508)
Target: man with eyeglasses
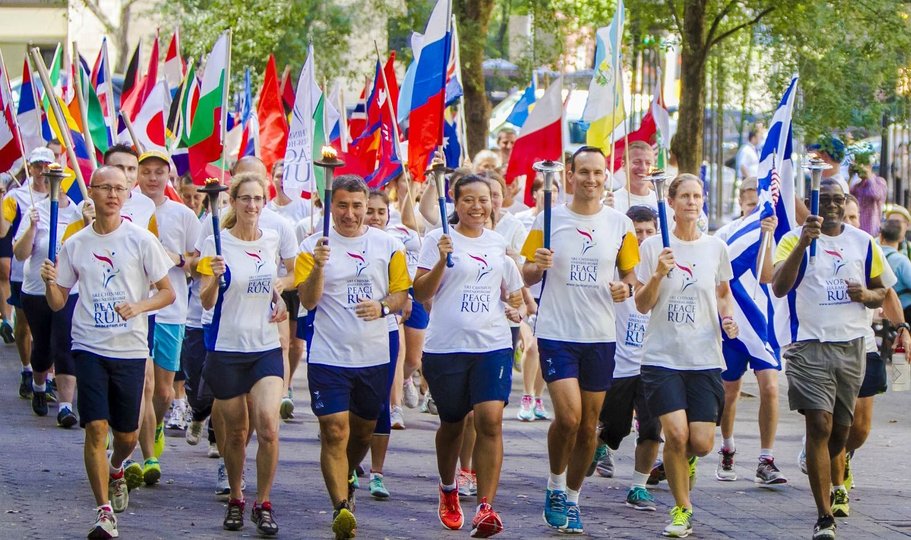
(113,262)
(825,361)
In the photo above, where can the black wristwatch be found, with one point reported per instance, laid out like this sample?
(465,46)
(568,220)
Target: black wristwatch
(904,326)
(182,260)
(630,289)
(384,308)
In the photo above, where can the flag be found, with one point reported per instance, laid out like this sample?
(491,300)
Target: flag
(404,104)
(454,68)
(10,146)
(647,132)
(185,108)
(98,126)
(452,147)
(358,121)
(132,104)
(541,138)
(320,139)
(28,115)
(149,125)
(287,90)
(249,140)
(131,77)
(205,143)
(522,107)
(604,108)
(764,322)
(273,124)
(338,127)
(389,162)
(425,131)
(84,160)
(174,67)
(298,176)
(101,83)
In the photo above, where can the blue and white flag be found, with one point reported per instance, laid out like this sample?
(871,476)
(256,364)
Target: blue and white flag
(763,321)
(522,107)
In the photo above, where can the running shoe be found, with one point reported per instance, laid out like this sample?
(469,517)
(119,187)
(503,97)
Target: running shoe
(51,386)
(159,440)
(377,488)
(105,525)
(151,472)
(410,394)
(555,508)
(601,451)
(187,414)
(824,529)
(840,503)
(681,523)
(169,417)
(429,406)
(639,498)
(849,473)
(234,515)
(344,525)
(286,411)
(468,483)
(264,518)
(66,418)
(25,384)
(657,474)
(450,510)
(118,492)
(397,417)
(132,471)
(213,451)
(39,403)
(605,465)
(573,519)
(222,488)
(6,332)
(767,473)
(693,461)
(486,522)
(802,456)
(526,409)
(194,432)
(352,492)
(540,410)
(725,470)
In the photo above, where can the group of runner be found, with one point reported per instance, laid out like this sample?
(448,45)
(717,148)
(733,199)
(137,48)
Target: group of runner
(153,312)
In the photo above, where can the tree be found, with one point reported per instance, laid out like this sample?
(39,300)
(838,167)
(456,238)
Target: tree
(119,29)
(473,17)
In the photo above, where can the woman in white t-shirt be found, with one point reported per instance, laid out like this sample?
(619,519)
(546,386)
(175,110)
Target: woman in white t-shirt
(244,367)
(467,353)
(686,289)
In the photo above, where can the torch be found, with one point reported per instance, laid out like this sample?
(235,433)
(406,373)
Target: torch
(54,175)
(329,162)
(212,189)
(815,166)
(658,177)
(438,170)
(549,169)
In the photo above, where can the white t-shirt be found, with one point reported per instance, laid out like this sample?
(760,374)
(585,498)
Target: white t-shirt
(513,231)
(31,275)
(178,231)
(624,200)
(303,228)
(747,158)
(268,219)
(412,242)
(517,205)
(369,266)
(111,269)
(468,315)
(294,211)
(576,303)
(16,205)
(631,326)
(239,322)
(684,330)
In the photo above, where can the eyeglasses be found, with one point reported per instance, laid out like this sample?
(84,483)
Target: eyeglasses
(247,199)
(837,199)
(106,188)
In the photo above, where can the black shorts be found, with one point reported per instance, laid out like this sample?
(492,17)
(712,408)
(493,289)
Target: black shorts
(459,381)
(192,360)
(698,392)
(232,374)
(15,292)
(52,341)
(293,303)
(358,390)
(6,245)
(626,395)
(875,379)
(109,389)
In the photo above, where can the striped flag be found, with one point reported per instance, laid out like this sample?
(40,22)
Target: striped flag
(10,147)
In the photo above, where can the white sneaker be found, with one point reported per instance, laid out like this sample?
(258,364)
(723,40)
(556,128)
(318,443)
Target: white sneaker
(213,450)
(170,417)
(178,417)
(222,488)
(194,432)
(540,410)
(105,525)
(526,409)
(410,394)
(802,456)
(119,494)
(396,418)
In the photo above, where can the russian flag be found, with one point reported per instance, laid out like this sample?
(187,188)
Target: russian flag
(541,138)
(28,115)
(425,130)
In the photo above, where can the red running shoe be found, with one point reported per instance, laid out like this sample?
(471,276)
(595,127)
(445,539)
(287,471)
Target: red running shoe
(486,522)
(450,511)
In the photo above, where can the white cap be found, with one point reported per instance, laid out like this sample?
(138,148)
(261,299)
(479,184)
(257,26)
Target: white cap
(41,155)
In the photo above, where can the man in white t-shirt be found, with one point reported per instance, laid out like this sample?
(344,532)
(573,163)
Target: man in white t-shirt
(114,262)
(747,159)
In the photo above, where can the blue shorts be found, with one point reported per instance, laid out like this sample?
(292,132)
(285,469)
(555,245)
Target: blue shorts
(459,381)
(233,374)
(384,423)
(875,379)
(738,361)
(167,341)
(192,360)
(305,327)
(109,389)
(698,392)
(591,363)
(360,390)
(6,245)
(15,294)
(419,318)
(151,336)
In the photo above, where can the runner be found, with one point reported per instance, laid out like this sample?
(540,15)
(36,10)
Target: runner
(467,354)
(350,281)
(686,289)
(113,262)
(244,367)
(825,361)
(589,242)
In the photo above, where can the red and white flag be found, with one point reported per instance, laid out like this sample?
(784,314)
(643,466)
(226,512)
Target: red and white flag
(149,124)
(541,138)
(10,147)
(174,66)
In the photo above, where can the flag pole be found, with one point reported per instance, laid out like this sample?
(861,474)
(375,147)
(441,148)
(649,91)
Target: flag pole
(224,110)
(463,130)
(613,122)
(59,118)
(83,110)
(110,89)
(129,125)
(343,121)
(15,121)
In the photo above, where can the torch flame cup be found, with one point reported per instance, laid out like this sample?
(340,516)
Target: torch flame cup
(328,153)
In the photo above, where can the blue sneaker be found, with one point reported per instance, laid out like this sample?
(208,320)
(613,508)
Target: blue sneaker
(555,508)
(573,519)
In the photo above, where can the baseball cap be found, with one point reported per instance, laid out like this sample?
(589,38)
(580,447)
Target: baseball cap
(41,155)
(748,183)
(155,154)
(897,209)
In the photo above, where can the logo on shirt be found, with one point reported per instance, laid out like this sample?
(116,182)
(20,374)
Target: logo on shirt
(484,267)
(257,260)
(588,240)
(107,266)
(360,263)
(688,277)
(838,260)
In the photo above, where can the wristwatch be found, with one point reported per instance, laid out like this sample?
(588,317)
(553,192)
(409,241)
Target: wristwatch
(384,308)
(903,326)
(182,261)
(631,291)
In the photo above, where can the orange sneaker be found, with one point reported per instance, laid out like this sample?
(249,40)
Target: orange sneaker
(450,511)
(486,522)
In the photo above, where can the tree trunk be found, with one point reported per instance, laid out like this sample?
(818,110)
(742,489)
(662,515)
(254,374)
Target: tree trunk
(688,142)
(473,17)
(122,37)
